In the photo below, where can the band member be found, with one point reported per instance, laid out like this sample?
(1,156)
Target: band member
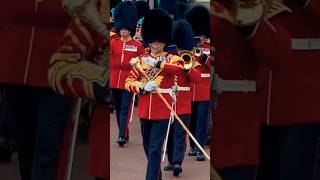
(171,6)
(29,34)
(159,70)
(142,7)
(237,113)
(122,50)
(183,38)
(199,18)
(286,43)
(292,69)
(79,68)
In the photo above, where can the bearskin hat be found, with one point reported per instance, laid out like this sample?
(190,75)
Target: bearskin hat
(142,7)
(126,16)
(182,35)
(114,3)
(156,26)
(199,18)
(171,6)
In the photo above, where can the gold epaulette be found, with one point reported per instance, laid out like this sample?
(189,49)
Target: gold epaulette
(175,59)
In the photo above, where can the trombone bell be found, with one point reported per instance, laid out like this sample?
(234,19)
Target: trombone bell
(188,59)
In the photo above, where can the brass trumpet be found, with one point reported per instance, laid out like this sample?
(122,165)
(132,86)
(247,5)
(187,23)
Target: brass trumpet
(188,59)
(197,52)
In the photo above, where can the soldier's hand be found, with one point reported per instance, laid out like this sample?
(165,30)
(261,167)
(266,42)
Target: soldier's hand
(134,61)
(150,86)
(150,61)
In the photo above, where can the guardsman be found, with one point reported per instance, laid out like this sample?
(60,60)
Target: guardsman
(237,113)
(122,50)
(199,18)
(29,33)
(171,6)
(159,70)
(286,43)
(79,68)
(183,38)
(142,7)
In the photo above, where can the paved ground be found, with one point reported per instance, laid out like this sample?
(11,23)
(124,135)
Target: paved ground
(129,163)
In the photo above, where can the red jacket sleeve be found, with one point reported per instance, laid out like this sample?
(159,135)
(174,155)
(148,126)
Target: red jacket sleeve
(77,68)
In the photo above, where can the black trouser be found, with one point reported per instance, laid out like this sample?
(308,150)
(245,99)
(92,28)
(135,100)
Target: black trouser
(40,116)
(177,141)
(289,152)
(153,134)
(239,173)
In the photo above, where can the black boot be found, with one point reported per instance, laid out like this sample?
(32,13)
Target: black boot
(177,169)
(121,141)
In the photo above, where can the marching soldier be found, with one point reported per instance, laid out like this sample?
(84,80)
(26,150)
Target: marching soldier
(29,33)
(122,50)
(237,114)
(79,68)
(154,73)
(183,38)
(142,7)
(199,18)
(286,41)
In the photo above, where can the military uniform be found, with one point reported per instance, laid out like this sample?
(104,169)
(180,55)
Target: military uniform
(183,38)
(199,18)
(151,109)
(121,52)
(79,68)
(287,45)
(29,34)
(238,111)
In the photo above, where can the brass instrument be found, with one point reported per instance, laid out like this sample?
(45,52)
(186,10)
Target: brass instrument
(197,52)
(188,58)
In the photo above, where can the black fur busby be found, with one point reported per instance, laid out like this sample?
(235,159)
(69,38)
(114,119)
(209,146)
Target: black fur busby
(142,7)
(114,3)
(126,16)
(156,26)
(182,35)
(199,18)
(171,6)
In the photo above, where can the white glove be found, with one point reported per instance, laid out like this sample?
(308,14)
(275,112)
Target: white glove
(134,61)
(150,86)
(150,61)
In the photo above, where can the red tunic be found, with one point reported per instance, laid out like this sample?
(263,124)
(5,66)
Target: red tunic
(184,94)
(289,46)
(29,33)
(201,90)
(120,55)
(150,106)
(79,69)
(237,115)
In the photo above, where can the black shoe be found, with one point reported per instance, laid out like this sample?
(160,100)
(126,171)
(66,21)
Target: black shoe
(121,141)
(200,156)
(168,167)
(192,152)
(177,169)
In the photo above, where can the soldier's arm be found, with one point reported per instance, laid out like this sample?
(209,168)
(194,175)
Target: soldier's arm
(194,74)
(132,83)
(174,66)
(70,71)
